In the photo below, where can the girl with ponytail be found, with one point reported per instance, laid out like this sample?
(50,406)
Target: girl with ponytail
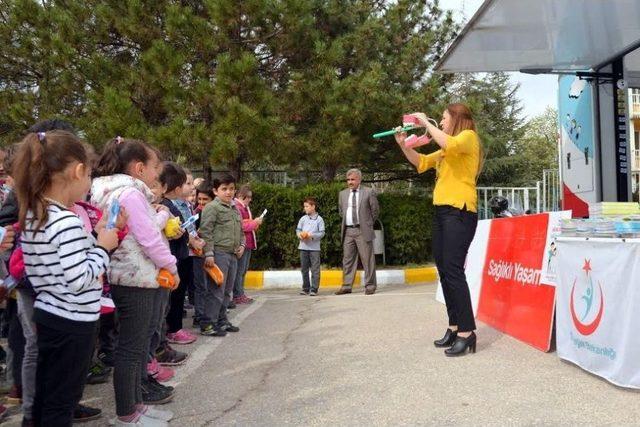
(126,171)
(63,262)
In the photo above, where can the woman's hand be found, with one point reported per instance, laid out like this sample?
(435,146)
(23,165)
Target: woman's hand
(422,118)
(400,136)
(209,261)
(437,134)
(411,154)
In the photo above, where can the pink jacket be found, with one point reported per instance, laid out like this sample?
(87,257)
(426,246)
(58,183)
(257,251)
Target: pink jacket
(249,225)
(144,250)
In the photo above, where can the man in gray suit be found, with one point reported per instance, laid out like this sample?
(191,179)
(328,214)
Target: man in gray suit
(359,210)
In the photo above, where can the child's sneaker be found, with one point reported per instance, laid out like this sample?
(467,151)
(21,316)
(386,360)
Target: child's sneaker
(156,385)
(142,421)
(158,414)
(160,373)
(83,413)
(181,337)
(98,374)
(152,395)
(244,299)
(15,395)
(106,359)
(210,331)
(170,357)
(313,293)
(228,327)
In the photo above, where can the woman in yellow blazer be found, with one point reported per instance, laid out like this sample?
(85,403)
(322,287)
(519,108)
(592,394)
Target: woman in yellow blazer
(457,164)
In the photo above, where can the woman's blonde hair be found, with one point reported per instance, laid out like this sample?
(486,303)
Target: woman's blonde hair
(462,119)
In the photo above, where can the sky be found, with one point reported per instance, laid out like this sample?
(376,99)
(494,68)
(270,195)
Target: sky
(536,92)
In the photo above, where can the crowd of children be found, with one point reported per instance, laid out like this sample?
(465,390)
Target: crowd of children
(101,253)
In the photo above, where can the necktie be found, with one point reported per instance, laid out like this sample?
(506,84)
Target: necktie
(354,208)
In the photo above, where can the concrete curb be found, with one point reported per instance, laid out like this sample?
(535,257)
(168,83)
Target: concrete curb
(292,279)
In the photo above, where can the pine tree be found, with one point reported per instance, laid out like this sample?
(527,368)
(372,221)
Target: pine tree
(354,68)
(497,112)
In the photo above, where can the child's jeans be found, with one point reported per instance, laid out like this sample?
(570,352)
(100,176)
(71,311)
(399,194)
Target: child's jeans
(216,298)
(243,266)
(310,260)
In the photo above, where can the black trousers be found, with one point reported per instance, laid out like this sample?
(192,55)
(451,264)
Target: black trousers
(453,231)
(16,341)
(107,334)
(63,362)
(174,317)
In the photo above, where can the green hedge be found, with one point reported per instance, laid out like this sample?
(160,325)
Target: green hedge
(406,220)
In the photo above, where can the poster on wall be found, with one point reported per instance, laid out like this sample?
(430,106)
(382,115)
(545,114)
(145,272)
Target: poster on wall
(575,114)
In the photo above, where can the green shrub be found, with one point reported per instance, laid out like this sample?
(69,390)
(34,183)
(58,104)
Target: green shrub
(406,220)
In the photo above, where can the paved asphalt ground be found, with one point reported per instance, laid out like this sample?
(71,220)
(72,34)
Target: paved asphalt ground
(359,360)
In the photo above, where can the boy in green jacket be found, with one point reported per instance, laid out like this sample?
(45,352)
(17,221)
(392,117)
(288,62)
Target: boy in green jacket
(221,229)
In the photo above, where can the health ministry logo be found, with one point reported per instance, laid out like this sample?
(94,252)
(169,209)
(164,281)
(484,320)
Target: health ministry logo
(588,297)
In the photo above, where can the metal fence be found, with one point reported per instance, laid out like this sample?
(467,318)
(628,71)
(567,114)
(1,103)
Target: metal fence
(551,190)
(521,199)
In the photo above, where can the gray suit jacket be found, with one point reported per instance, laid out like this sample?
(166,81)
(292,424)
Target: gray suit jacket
(368,211)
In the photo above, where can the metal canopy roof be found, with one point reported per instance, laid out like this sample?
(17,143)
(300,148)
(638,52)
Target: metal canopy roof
(544,35)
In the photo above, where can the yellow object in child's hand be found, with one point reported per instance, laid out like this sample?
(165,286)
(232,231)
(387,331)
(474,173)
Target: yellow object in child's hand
(304,235)
(172,229)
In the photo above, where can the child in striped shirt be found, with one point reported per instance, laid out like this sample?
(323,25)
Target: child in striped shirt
(63,263)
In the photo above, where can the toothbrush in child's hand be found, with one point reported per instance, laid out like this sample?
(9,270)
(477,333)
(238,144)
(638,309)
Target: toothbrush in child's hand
(114,211)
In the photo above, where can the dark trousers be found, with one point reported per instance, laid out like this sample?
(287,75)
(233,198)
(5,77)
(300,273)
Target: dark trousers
(191,286)
(174,318)
(135,309)
(107,334)
(200,285)
(63,363)
(453,231)
(16,341)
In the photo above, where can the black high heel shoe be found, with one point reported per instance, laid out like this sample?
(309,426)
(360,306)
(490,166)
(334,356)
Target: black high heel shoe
(460,346)
(447,340)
